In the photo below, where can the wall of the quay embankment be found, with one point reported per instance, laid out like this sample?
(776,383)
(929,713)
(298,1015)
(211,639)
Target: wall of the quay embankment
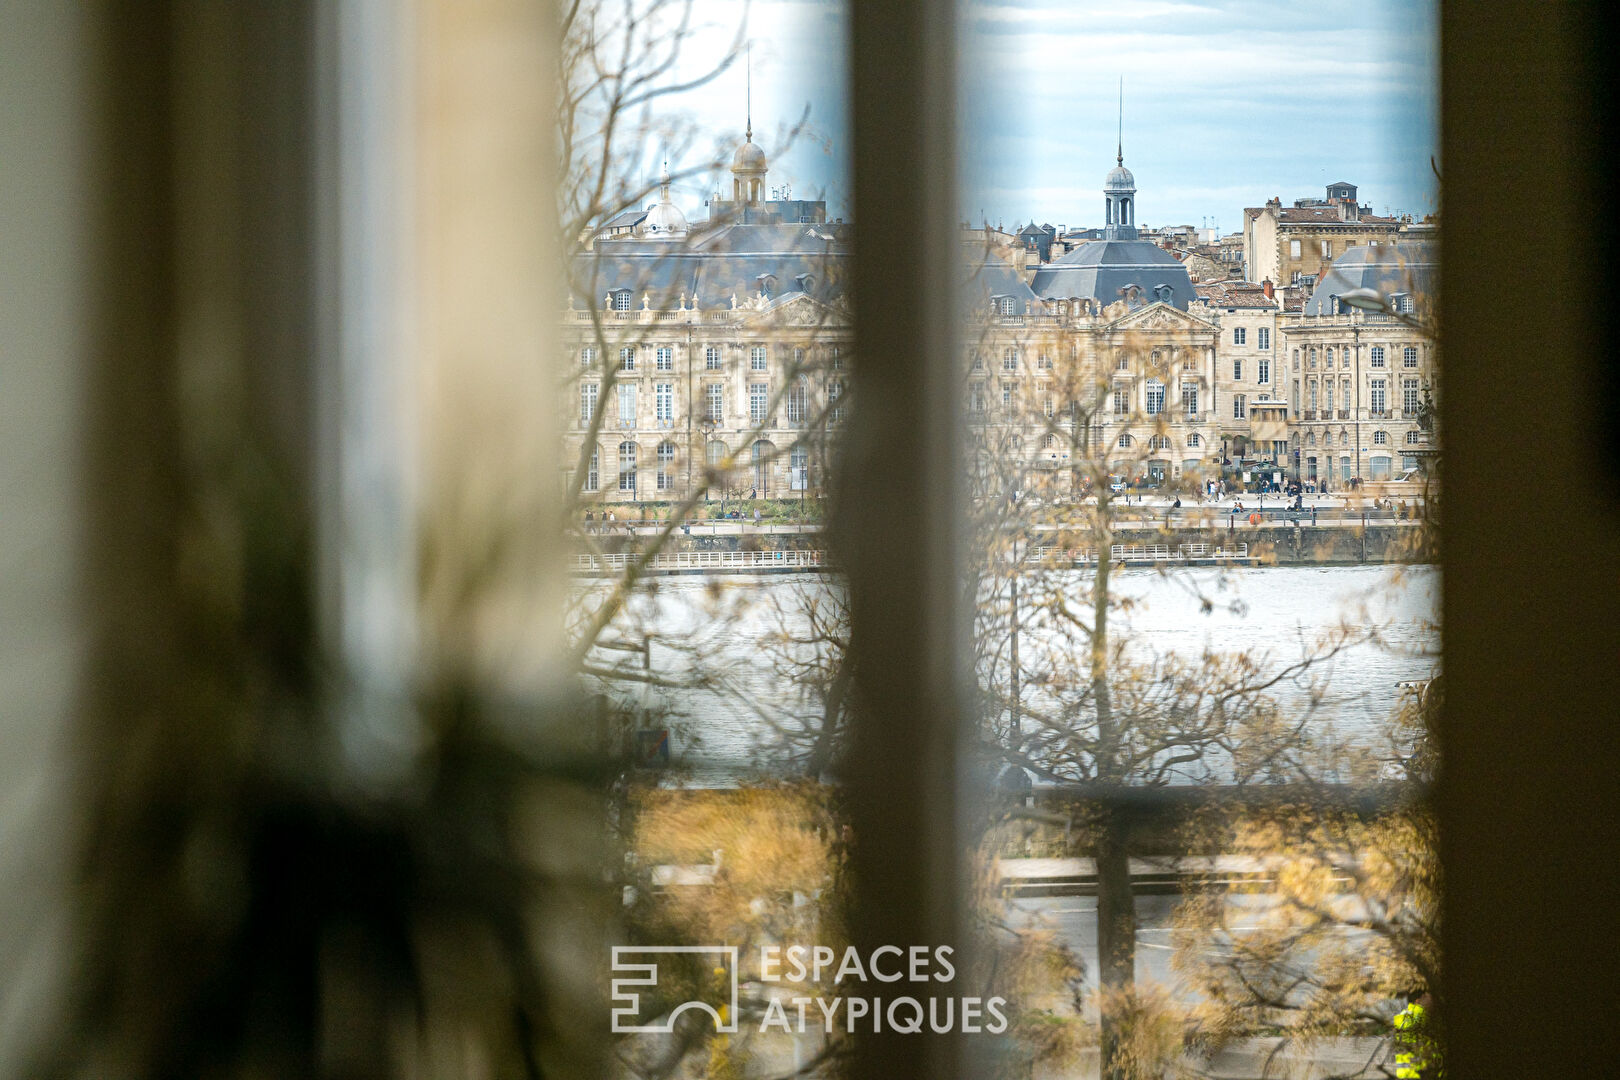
(1275,542)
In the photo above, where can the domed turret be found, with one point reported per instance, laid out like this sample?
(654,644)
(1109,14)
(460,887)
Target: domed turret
(1120,179)
(664,221)
(748,166)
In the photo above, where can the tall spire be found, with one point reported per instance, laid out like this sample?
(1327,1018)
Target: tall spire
(1119,156)
(748,68)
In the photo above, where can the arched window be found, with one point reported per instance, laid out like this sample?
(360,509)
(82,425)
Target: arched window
(1159,442)
(627,466)
(761,456)
(1344,438)
(1195,439)
(1124,441)
(715,454)
(666,466)
(1380,438)
(1310,438)
(1414,436)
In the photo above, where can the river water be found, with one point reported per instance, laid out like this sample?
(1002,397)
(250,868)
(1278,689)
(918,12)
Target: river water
(740,639)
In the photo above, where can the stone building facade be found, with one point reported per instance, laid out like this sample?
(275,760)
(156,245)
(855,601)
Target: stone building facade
(723,349)
(1287,244)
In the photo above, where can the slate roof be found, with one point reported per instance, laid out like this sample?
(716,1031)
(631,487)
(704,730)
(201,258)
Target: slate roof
(1326,215)
(1388,268)
(1102,268)
(987,275)
(712,266)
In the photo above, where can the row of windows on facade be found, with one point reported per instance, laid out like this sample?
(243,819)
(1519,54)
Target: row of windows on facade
(1376,357)
(1262,336)
(1154,398)
(797,402)
(1377,395)
(664,478)
(713,357)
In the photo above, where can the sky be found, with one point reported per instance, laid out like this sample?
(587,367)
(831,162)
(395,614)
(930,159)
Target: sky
(1226,104)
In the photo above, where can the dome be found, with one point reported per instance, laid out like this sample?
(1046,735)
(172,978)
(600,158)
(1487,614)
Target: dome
(1119,179)
(664,219)
(749,157)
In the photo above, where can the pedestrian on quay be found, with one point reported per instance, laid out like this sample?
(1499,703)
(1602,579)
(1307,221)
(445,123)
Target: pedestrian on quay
(1313,513)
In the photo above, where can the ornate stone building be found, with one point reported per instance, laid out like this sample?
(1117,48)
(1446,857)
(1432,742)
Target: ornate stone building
(725,345)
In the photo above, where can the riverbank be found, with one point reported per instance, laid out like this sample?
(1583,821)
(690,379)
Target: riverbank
(1275,538)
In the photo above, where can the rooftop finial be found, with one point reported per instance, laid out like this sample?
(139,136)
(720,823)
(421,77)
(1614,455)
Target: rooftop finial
(748,68)
(1119,157)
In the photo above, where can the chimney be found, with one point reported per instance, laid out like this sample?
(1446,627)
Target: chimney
(1268,289)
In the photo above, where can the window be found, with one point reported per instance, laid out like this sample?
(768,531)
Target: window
(1310,360)
(1237,370)
(1376,358)
(1195,439)
(627,358)
(1413,437)
(837,359)
(1264,375)
(627,406)
(1155,397)
(714,402)
(587,403)
(1380,467)
(1344,438)
(1263,338)
(1122,399)
(1327,249)
(978,361)
(1293,249)
(1238,407)
(1344,358)
(711,358)
(1409,397)
(1048,406)
(1328,357)
(1344,394)
(976,400)
(1121,362)
(621,300)
(1158,442)
(1327,397)
(798,358)
(1295,397)
(1409,356)
(798,401)
(1043,362)
(1296,359)
(756,358)
(835,396)
(1189,400)
(1240,335)
(664,402)
(799,469)
(716,454)
(1375,397)
(756,402)
(1009,360)
(1344,469)
(761,456)
(593,471)
(587,356)
(666,466)
(664,358)
(627,466)
(1124,442)
(1007,395)
(1310,391)
(1006,306)
(1310,438)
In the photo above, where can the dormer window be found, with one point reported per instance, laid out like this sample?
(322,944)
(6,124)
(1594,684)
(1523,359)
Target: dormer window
(1004,306)
(805,282)
(1162,293)
(621,300)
